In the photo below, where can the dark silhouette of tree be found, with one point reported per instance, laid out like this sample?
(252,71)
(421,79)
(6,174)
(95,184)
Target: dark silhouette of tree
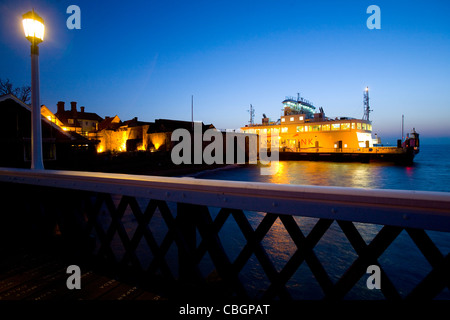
(23,93)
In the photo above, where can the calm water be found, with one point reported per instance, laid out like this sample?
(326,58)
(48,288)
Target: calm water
(430,171)
(402,261)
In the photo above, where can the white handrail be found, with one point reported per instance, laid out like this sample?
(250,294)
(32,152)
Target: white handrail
(405,208)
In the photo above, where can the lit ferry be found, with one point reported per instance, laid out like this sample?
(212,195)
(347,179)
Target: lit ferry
(305,133)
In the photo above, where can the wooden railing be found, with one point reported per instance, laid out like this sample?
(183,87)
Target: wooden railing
(209,238)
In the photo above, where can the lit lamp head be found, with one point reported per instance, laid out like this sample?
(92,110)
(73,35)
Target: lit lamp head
(367,89)
(33,26)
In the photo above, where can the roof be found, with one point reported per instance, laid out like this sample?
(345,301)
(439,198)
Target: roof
(65,115)
(167,125)
(110,123)
(27,107)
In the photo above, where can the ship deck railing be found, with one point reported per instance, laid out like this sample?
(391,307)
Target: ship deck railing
(360,150)
(221,239)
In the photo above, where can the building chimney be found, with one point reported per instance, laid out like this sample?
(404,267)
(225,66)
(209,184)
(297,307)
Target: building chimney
(82,109)
(60,105)
(73,106)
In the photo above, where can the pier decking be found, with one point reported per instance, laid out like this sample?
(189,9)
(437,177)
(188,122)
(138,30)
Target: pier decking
(40,276)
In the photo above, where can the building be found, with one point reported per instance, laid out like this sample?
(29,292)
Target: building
(82,122)
(58,146)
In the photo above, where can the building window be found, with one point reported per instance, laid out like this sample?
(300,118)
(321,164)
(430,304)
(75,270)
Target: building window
(70,121)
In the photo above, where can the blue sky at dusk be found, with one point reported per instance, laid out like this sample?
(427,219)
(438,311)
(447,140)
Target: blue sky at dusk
(146,59)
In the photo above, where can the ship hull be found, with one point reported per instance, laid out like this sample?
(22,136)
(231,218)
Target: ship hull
(397,156)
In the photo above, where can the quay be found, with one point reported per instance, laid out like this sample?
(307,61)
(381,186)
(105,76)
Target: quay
(105,221)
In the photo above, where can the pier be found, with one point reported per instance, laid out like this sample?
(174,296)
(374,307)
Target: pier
(162,237)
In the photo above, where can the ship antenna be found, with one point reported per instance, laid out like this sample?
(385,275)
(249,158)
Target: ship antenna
(366,104)
(252,115)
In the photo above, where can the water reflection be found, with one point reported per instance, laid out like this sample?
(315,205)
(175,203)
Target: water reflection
(358,175)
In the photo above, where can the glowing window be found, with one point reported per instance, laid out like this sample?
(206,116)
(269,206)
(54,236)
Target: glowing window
(345,126)
(284,129)
(326,127)
(264,130)
(364,126)
(300,118)
(276,130)
(283,119)
(300,129)
(353,125)
(358,126)
(292,119)
(335,126)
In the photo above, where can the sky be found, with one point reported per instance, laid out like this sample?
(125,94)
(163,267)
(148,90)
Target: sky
(146,59)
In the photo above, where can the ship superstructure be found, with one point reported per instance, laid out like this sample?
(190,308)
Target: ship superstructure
(307,132)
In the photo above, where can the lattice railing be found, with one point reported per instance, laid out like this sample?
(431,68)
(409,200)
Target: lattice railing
(215,238)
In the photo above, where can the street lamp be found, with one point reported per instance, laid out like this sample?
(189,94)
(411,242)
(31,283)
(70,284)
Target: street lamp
(33,26)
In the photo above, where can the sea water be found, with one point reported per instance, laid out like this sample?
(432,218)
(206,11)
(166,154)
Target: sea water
(403,262)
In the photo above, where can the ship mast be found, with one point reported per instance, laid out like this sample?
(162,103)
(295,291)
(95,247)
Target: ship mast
(366,104)
(252,115)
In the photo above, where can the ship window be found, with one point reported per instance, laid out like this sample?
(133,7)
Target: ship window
(335,126)
(300,118)
(316,128)
(306,128)
(268,130)
(300,129)
(369,127)
(364,126)
(326,127)
(345,126)
(284,129)
(70,121)
(353,125)
(276,130)
(292,119)
(283,119)
(257,131)
(358,126)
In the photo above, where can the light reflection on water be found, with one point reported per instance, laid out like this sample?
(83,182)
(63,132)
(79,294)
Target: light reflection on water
(402,261)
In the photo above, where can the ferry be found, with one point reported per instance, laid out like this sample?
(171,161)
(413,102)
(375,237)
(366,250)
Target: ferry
(305,133)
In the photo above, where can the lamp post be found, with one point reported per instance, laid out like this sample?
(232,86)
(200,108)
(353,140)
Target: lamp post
(33,26)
